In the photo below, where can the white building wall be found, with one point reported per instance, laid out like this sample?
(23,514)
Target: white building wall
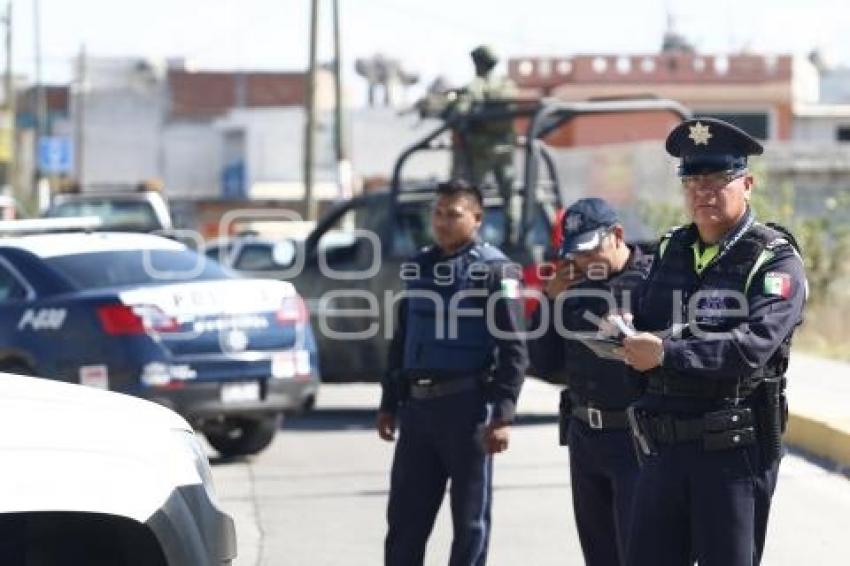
(127,138)
(122,102)
(820,123)
(192,159)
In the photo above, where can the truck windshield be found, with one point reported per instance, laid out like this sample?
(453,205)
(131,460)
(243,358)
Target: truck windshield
(127,215)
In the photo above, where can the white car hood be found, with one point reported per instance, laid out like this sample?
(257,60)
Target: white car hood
(67,447)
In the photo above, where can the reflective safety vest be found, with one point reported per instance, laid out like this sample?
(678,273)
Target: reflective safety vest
(442,333)
(708,288)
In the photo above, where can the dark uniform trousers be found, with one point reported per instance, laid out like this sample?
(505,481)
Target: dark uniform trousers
(668,531)
(440,441)
(603,470)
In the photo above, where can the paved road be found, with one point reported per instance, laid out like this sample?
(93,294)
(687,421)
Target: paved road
(317,496)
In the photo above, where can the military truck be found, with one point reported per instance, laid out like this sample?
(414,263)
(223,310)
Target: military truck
(349,282)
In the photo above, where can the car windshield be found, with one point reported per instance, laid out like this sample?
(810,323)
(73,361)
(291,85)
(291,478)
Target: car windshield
(136,267)
(114,214)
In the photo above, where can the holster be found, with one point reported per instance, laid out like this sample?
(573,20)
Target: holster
(771,409)
(643,441)
(565,409)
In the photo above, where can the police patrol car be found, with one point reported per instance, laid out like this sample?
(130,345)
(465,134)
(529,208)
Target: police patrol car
(144,315)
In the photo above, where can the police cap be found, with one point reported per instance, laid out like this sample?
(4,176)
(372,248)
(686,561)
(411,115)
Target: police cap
(707,145)
(584,224)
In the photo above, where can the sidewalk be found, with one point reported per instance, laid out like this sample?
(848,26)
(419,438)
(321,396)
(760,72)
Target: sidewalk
(819,402)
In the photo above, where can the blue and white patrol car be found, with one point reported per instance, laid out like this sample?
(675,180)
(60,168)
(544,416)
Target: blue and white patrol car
(144,315)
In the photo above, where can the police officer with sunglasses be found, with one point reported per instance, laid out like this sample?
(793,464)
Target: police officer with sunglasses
(717,315)
(597,274)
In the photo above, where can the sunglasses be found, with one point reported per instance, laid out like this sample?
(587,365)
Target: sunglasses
(711,181)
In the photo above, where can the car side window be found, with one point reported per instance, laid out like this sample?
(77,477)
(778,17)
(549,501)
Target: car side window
(11,288)
(255,257)
(412,229)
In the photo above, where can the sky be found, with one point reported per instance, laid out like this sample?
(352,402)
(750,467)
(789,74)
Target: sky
(431,37)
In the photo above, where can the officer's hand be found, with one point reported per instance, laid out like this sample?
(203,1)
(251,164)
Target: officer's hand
(497,435)
(566,275)
(385,424)
(643,351)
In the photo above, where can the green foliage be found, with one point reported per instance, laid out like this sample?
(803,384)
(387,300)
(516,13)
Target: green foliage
(661,216)
(824,242)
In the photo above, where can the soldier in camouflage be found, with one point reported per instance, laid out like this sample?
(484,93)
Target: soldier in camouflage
(485,146)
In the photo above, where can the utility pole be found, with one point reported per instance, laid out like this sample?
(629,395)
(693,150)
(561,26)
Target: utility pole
(343,165)
(10,103)
(310,207)
(42,187)
(80,117)
(41,100)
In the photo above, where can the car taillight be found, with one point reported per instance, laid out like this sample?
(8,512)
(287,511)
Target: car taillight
(140,319)
(292,311)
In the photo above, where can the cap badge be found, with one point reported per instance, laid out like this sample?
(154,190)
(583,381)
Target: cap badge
(700,134)
(573,222)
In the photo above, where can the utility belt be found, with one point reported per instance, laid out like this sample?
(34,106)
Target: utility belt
(597,419)
(675,386)
(717,430)
(423,384)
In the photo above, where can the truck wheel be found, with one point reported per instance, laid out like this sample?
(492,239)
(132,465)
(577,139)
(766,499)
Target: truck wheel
(242,436)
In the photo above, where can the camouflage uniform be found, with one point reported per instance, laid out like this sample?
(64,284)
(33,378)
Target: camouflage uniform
(485,146)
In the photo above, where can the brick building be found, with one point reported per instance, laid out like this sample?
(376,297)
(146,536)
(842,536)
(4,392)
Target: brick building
(754,91)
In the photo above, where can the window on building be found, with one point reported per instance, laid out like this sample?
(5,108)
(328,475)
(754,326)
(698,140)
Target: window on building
(757,124)
(842,133)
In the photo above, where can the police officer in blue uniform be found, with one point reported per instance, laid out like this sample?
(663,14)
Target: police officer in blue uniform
(599,273)
(456,365)
(718,312)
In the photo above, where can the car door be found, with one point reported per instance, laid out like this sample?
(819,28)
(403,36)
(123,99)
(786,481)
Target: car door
(340,281)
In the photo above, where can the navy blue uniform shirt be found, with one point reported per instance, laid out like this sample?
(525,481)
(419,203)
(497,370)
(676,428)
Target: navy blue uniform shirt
(606,383)
(775,297)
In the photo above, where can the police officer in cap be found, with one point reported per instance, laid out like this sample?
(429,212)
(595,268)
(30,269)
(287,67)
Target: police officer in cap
(598,273)
(456,365)
(718,312)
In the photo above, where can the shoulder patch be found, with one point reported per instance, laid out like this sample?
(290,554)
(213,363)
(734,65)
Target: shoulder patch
(510,288)
(777,284)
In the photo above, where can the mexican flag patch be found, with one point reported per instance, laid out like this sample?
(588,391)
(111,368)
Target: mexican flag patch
(510,288)
(777,284)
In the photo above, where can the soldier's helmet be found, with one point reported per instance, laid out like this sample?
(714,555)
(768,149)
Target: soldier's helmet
(484,57)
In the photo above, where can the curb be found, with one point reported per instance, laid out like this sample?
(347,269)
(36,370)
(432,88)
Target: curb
(828,439)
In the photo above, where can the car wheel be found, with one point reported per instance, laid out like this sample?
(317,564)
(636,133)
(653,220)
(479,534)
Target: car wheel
(242,436)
